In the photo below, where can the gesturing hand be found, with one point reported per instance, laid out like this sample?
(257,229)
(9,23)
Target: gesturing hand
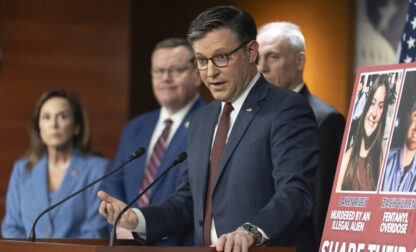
(110,207)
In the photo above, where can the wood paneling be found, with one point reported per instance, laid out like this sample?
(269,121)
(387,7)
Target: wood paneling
(153,21)
(79,45)
(101,49)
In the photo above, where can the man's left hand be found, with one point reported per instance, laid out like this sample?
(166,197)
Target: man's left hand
(234,242)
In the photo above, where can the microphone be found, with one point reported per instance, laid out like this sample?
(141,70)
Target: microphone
(140,151)
(179,159)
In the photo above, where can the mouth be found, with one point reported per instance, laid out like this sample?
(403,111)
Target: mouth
(168,88)
(217,84)
(372,123)
(55,136)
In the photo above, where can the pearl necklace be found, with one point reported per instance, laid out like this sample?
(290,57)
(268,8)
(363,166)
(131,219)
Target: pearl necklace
(58,168)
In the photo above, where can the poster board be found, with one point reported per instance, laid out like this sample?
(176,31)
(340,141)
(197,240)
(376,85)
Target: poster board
(373,200)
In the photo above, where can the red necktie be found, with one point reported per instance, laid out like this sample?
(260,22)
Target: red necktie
(154,162)
(216,155)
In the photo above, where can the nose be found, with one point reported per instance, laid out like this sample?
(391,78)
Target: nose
(212,70)
(167,75)
(54,122)
(373,112)
(262,66)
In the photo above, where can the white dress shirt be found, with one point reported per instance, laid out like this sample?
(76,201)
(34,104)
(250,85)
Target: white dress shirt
(298,87)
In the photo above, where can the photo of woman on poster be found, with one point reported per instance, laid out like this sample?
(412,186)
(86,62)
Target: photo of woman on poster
(360,167)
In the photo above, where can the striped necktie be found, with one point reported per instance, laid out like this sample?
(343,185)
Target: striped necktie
(154,163)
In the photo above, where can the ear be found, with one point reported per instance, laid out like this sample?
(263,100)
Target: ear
(300,61)
(253,50)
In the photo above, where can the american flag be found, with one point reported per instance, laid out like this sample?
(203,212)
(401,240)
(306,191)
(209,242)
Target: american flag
(408,45)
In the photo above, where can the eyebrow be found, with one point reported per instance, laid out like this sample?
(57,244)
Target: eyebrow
(272,52)
(58,112)
(216,52)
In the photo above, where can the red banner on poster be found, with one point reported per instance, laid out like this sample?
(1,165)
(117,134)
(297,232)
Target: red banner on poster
(373,200)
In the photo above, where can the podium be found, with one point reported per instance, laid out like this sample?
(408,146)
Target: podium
(101,245)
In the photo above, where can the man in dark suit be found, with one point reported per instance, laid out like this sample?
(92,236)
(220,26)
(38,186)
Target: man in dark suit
(175,82)
(252,153)
(281,60)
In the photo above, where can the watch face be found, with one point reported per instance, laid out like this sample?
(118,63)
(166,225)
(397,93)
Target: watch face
(250,228)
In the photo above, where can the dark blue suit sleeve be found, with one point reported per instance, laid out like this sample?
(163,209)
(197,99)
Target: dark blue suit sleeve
(174,215)
(294,154)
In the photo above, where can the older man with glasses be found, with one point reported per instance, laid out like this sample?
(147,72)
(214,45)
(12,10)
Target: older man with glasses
(163,132)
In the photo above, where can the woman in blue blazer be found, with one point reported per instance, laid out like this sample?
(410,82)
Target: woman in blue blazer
(58,163)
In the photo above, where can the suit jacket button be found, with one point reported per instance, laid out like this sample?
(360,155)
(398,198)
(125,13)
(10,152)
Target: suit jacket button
(200,222)
(47,234)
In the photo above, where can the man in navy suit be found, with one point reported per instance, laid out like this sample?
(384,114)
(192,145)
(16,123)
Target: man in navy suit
(263,188)
(175,82)
(281,61)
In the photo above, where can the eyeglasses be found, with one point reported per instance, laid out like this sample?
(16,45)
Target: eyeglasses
(220,60)
(173,71)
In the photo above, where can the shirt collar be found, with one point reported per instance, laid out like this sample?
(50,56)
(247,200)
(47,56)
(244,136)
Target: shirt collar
(298,87)
(180,114)
(238,103)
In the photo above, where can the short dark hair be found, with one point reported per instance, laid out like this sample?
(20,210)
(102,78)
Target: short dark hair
(238,21)
(172,43)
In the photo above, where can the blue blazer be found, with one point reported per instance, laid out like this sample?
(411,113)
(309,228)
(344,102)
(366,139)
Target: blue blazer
(265,176)
(28,195)
(125,184)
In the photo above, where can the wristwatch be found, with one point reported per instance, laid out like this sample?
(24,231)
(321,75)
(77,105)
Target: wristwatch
(252,230)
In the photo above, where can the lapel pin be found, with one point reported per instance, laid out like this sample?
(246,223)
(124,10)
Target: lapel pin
(74,173)
(249,109)
(187,124)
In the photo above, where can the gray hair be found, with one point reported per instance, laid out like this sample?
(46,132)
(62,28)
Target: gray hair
(291,33)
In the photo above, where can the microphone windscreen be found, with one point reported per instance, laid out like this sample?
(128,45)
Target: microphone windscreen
(181,157)
(138,152)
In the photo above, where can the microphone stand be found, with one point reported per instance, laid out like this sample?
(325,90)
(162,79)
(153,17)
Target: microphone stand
(179,159)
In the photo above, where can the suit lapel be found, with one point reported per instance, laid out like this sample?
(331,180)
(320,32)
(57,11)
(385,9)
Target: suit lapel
(178,140)
(305,92)
(170,154)
(248,111)
(72,175)
(135,170)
